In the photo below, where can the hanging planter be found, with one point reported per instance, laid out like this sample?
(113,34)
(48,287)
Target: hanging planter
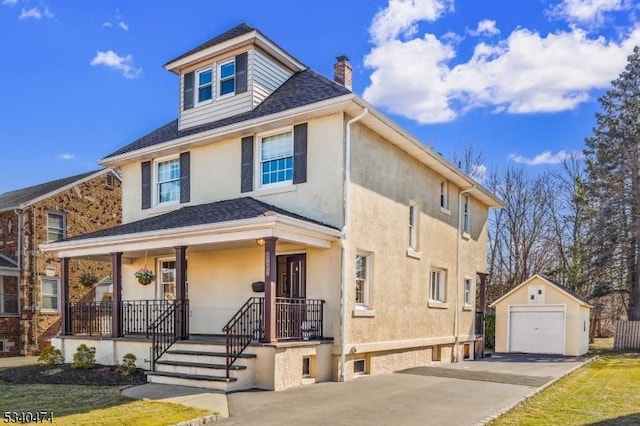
(145,276)
(88,279)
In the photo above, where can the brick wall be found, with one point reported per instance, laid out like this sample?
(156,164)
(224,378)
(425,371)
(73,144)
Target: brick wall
(87,207)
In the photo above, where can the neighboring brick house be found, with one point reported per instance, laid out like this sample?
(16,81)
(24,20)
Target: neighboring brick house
(296,234)
(29,279)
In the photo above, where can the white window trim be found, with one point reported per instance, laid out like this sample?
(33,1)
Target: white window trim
(442,286)
(154,176)
(467,304)
(64,224)
(466,217)
(57,280)
(196,87)
(414,230)
(219,79)
(257,155)
(366,304)
(444,208)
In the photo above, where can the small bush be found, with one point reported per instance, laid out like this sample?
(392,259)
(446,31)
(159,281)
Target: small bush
(50,356)
(84,358)
(490,330)
(128,365)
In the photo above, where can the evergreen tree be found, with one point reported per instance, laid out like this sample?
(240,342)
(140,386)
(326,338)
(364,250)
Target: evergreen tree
(613,167)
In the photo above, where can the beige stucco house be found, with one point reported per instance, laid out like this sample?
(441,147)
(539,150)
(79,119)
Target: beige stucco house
(296,233)
(538,316)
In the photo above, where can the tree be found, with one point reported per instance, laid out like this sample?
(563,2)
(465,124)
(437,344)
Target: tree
(613,167)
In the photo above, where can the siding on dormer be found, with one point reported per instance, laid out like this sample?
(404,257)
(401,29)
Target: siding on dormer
(217,109)
(268,75)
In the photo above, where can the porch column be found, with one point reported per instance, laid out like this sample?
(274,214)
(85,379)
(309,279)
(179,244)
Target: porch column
(65,318)
(270,290)
(116,303)
(181,293)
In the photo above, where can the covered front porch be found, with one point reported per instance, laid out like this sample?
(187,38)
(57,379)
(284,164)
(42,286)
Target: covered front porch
(267,278)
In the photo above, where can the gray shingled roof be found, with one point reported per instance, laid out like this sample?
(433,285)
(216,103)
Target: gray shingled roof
(7,263)
(13,199)
(203,214)
(303,88)
(234,32)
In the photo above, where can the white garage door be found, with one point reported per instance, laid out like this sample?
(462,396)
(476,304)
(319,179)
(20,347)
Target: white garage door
(537,332)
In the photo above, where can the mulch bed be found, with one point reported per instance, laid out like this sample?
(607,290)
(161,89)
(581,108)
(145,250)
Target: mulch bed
(63,374)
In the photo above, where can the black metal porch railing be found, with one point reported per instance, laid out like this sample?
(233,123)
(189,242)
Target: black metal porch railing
(94,318)
(166,329)
(299,319)
(245,326)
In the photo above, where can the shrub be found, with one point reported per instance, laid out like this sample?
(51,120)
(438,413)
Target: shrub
(128,365)
(490,330)
(84,358)
(50,356)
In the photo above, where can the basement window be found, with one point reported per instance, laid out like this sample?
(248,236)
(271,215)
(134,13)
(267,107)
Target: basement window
(306,366)
(359,366)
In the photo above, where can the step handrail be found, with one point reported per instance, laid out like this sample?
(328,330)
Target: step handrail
(245,326)
(164,330)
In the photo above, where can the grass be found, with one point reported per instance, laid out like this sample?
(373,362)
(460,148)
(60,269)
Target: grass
(606,392)
(92,405)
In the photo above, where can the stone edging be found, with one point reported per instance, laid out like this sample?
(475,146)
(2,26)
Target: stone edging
(492,417)
(211,418)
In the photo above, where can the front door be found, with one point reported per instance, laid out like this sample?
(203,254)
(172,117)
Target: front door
(292,276)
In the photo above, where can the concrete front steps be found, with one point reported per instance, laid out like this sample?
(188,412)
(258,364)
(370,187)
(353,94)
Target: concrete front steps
(202,365)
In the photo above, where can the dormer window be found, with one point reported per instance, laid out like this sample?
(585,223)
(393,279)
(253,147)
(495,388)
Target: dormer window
(205,85)
(227,73)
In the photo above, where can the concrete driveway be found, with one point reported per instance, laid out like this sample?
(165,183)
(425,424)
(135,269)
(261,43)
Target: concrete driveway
(467,393)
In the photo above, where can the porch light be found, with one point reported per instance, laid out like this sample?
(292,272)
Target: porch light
(260,241)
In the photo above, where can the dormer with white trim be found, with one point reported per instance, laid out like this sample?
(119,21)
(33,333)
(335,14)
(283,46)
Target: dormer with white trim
(229,75)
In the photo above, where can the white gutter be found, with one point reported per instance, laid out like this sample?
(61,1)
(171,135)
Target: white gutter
(343,242)
(456,319)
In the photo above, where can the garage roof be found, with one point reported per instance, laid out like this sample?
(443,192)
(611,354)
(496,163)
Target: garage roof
(577,298)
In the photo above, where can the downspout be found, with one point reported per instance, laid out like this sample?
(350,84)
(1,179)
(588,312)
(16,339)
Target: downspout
(18,213)
(343,241)
(456,319)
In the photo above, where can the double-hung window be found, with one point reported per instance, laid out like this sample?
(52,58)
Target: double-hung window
(444,195)
(276,159)
(168,181)
(8,295)
(437,286)
(55,226)
(467,292)
(168,279)
(204,79)
(49,294)
(414,222)
(466,225)
(227,78)
(363,266)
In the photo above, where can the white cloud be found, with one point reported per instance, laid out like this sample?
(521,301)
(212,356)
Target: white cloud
(9,2)
(587,11)
(486,27)
(65,156)
(546,157)
(36,13)
(479,172)
(112,60)
(421,78)
(107,24)
(116,22)
(123,26)
(401,16)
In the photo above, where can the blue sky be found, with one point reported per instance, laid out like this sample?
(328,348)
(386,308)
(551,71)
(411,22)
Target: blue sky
(518,81)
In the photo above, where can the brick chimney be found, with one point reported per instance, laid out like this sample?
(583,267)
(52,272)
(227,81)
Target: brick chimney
(342,72)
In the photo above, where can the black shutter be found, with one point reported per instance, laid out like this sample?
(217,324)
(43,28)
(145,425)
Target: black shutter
(300,153)
(241,72)
(187,95)
(146,184)
(246,174)
(185,178)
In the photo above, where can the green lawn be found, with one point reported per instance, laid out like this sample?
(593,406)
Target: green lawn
(606,391)
(91,405)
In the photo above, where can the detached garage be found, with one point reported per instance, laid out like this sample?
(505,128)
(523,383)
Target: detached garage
(540,317)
